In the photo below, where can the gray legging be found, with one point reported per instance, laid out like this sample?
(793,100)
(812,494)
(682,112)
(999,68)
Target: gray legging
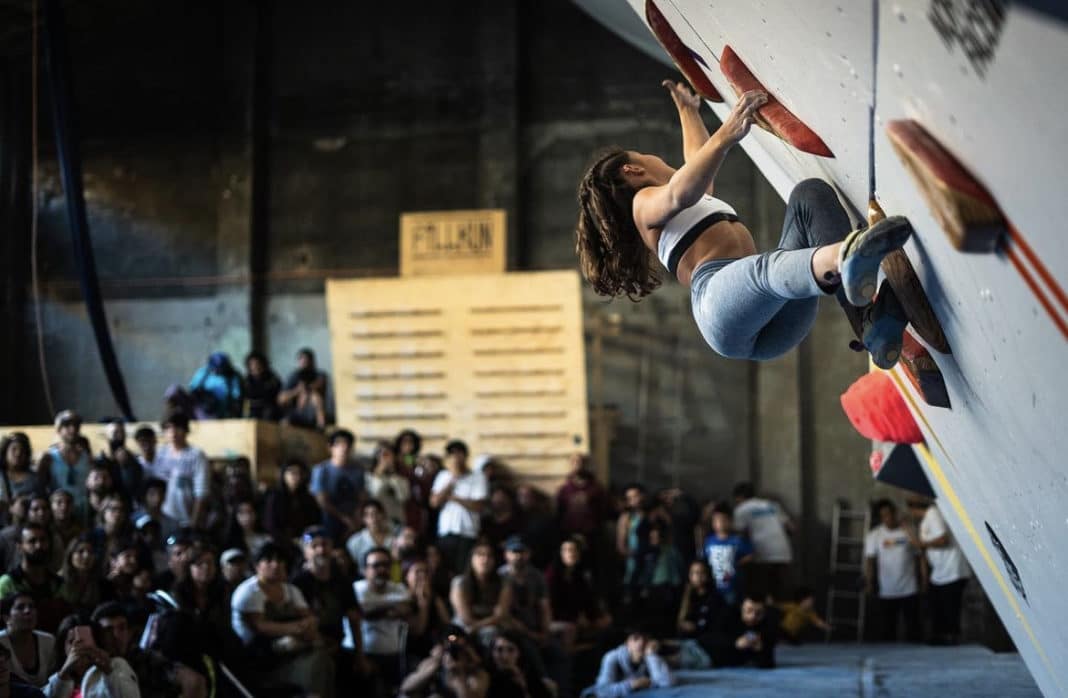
(762,306)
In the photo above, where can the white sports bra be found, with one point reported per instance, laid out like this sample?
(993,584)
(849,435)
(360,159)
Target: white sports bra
(680,232)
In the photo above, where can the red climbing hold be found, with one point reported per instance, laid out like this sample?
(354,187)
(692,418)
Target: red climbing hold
(878,412)
(686,59)
(773,116)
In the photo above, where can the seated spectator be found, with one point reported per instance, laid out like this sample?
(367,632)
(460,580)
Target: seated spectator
(660,579)
(262,386)
(155,493)
(441,575)
(126,471)
(149,536)
(431,610)
(377,532)
(387,610)
(405,550)
(116,526)
(289,507)
(746,635)
(179,550)
(16,473)
(701,604)
(40,512)
(33,578)
(338,485)
(503,520)
(579,612)
(99,486)
(124,576)
(460,494)
(187,474)
(235,568)
(203,594)
(422,516)
(452,669)
(332,600)
(157,676)
(767,527)
(479,597)
(388,484)
(303,399)
(12,687)
(67,463)
(530,614)
(633,666)
(145,438)
(581,503)
(799,614)
(727,555)
(245,531)
(510,673)
(83,585)
(11,534)
(216,389)
(83,668)
(278,629)
(31,651)
(64,522)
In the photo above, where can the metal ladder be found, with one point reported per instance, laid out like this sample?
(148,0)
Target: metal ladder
(845,593)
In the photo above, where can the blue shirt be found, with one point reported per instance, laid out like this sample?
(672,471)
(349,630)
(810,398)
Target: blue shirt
(341,487)
(722,555)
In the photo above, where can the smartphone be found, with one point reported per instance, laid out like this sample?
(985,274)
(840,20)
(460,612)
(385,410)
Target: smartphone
(83,636)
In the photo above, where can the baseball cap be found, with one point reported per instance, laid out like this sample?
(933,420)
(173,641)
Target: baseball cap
(67,417)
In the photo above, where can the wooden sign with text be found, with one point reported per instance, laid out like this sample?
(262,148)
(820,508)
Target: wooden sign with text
(453,242)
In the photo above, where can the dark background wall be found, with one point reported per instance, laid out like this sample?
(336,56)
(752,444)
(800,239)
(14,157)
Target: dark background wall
(238,154)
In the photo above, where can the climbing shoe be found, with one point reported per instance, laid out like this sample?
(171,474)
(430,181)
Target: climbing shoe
(863,250)
(883,327)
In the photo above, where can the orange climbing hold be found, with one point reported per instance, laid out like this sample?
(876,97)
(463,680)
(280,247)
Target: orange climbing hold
(773,116)
(878,412)
(963,207)
(687,61)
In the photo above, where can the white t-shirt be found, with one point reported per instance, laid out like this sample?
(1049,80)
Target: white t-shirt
(188,477)
(454,517)
(762,521)
(384,635)
(249,598)
(46,647)
(896,560)
(947,564)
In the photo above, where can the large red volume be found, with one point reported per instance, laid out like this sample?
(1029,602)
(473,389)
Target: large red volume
(680,53)
(878,412)
(773,116)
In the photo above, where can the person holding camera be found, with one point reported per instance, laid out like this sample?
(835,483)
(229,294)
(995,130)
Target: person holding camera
(453,670)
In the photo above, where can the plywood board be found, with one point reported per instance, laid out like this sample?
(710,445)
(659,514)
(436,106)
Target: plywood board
(496,360)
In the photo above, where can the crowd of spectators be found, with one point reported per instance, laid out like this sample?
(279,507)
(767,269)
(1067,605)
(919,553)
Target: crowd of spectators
(144,570)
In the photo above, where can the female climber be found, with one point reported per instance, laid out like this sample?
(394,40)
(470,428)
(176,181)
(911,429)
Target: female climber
(747,305)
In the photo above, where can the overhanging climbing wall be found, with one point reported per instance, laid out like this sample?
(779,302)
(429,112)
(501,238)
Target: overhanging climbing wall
(496,360)
(988,81)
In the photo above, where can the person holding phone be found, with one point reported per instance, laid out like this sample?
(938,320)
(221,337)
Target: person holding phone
(81,665)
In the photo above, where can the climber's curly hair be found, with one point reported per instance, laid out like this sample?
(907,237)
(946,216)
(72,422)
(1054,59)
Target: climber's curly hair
(611,253)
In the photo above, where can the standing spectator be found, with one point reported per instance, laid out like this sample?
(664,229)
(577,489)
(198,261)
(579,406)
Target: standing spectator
(684,515)
(100,485)
(628,541)
(66,464)
(727,555)
(407,446)
(386,484)
(16,475)
(245,530)
(661,578)
(289,507)
(540,529)
(32,577)
(579,612)
(461,495)
(702,605)
(332,600)
(766,526)
(582,506)
(63,520)
(262,386)
(278,629)
(387,608)
(338,486)
(216,389)
(502,521)
(422,516)
(479,596)
(32,651)
(155,494)
(303,399)
(145,438)
(127,472)
(887,547)
(633,666)
(186,471)
(377,532)
(746,636)
(949,572)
